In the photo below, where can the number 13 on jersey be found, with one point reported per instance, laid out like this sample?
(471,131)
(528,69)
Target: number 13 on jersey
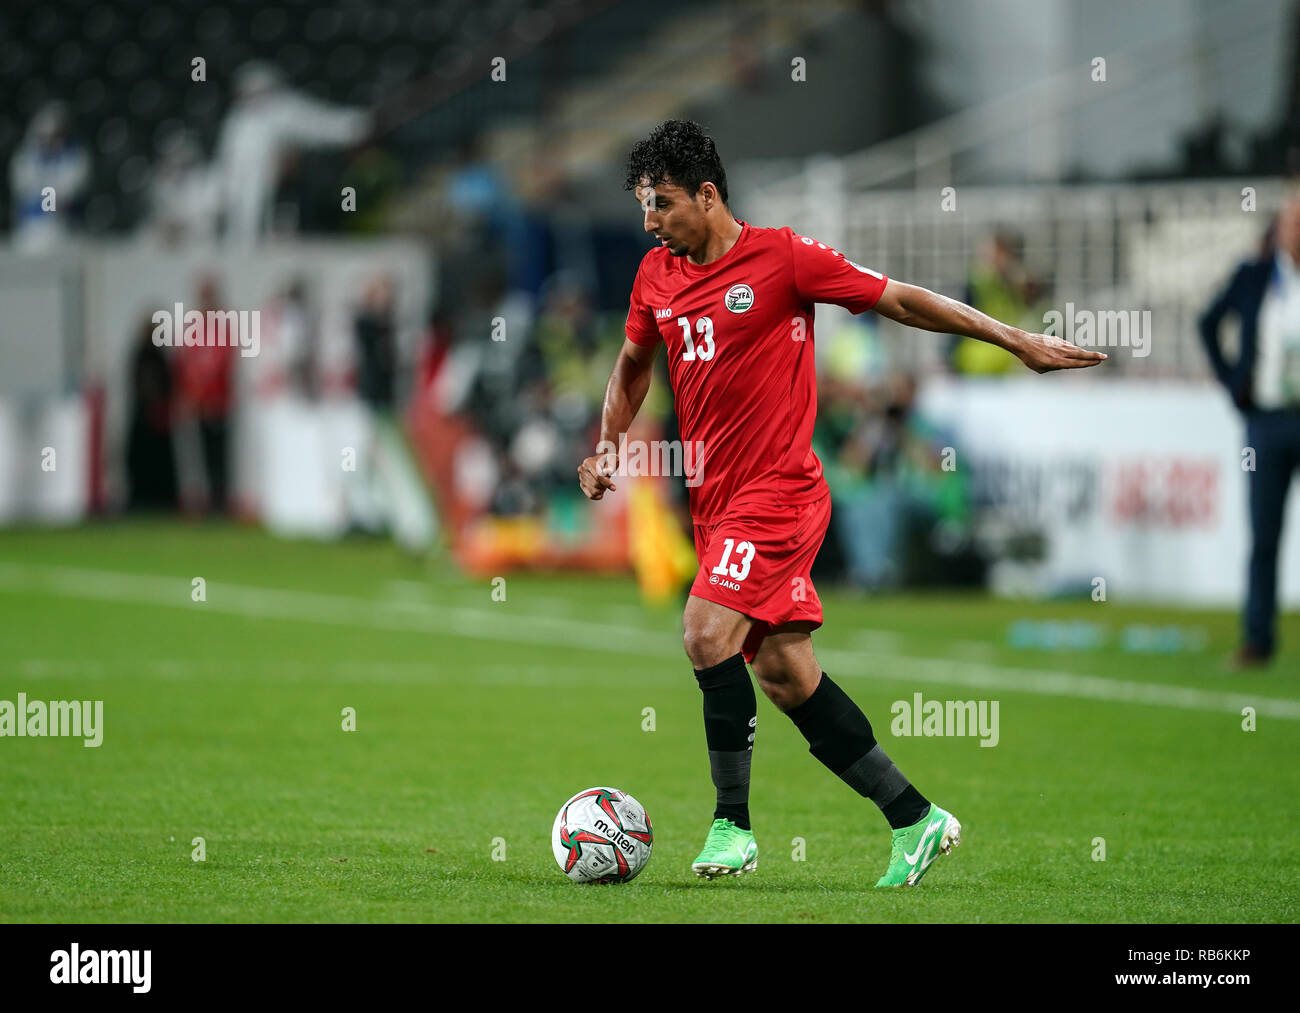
(704,328)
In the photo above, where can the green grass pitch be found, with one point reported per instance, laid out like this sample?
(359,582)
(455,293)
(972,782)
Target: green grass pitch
(476,718)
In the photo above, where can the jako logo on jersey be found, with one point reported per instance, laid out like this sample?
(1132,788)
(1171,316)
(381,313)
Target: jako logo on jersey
(729,584)
(663,314)
(739,298)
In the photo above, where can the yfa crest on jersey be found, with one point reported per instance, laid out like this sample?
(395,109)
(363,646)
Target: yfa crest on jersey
(738,298)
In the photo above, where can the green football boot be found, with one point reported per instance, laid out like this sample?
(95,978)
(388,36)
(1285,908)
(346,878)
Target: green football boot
(915,847)
(728,851)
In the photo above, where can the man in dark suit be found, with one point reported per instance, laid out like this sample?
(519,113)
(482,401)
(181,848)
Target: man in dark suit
(1264,383)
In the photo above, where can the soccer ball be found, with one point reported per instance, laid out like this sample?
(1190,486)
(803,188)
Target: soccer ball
(602,835)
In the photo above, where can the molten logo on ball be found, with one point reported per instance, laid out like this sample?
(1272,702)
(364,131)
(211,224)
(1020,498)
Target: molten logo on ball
(602,835)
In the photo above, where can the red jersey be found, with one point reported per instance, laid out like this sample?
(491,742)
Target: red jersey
(205,375)
(739,333)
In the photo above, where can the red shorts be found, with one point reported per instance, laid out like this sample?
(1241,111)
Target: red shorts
(757,561)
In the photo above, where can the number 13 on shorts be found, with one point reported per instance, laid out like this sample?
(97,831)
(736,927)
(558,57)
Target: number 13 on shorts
(739,569)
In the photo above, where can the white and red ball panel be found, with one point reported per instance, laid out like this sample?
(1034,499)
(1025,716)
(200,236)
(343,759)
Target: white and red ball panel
(602,835)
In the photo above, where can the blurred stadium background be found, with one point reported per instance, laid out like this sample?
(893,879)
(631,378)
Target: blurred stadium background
(422,202)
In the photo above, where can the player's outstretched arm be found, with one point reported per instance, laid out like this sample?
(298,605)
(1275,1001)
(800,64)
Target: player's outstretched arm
(624,393)
(919,307)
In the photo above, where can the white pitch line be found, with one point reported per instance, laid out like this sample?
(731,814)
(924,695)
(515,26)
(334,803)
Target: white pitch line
(311,606)
(503,625)
(1045,682)
(413,673)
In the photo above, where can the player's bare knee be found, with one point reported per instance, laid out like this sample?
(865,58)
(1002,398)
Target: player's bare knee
(707,644)
(711,634)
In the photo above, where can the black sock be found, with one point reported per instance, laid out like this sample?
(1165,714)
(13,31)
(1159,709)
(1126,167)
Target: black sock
(730,714)
(840,735)
(908,808)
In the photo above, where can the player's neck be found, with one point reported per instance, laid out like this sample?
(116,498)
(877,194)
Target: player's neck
(718,243)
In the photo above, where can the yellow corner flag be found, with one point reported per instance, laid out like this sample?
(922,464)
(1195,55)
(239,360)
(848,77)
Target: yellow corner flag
(663,558)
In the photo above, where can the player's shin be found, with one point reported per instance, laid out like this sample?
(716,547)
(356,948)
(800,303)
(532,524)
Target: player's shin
(840,736)
(730,714)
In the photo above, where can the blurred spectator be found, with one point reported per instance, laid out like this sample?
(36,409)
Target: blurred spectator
(564,347)
(47,157)
(377,174)
(486,214)
(260,132)
(204,386)
(150,461)
(387,491)
(556,389)
(514,496)
(568,220)
(286,363)
(1264,383)
(185,195)
(477,194)
(891,493)
(274,389)
(536,445)
(1000,286)
(376,345)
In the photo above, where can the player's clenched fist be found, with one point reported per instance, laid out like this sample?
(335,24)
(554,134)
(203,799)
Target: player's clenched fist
(594,472)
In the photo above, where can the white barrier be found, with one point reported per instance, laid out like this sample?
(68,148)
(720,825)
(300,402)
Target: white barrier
(44,460)
(1139,484)
(80,327)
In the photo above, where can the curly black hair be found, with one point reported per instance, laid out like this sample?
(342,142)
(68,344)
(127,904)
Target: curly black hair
(680,152)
